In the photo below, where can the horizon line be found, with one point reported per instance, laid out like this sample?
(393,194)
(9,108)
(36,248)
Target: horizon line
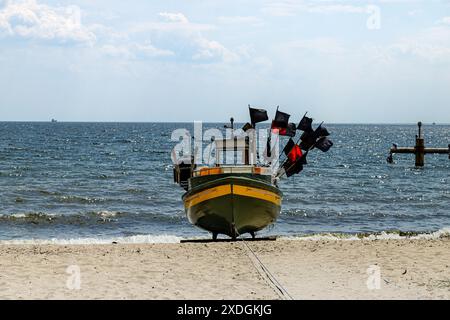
(213,122)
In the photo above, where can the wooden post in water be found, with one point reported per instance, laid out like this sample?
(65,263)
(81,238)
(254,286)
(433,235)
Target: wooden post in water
(419,149)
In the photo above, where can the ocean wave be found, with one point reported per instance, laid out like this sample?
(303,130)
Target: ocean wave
(137,239)
(41,217)
(135,190)
(124,141)
(383,235)
(103,216)
(80,199)
(443,233)
(49,193)
(27,216)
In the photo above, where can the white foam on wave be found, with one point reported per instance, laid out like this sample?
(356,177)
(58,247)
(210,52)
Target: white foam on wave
(31,216)
(50,216)
(320,237)
(107,214)
(166,238)
(14,215)
(138,239)
(442,233)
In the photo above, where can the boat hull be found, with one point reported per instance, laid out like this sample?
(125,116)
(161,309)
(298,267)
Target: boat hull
(233,205)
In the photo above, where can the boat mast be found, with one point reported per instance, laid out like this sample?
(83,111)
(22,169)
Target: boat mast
(232,126)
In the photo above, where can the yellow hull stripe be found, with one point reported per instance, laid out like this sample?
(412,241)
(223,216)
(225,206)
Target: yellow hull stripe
(226,190)
(257,193)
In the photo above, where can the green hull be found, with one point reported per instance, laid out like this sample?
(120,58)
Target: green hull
(232,205)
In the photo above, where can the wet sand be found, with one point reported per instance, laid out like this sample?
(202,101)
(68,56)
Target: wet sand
(307,269)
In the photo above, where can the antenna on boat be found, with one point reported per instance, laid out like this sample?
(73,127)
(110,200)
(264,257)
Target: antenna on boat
(231,126)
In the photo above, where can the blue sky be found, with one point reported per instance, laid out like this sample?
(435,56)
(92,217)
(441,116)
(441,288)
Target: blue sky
(110,60)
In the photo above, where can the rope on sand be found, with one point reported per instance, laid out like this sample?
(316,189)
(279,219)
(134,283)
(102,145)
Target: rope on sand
(267,275)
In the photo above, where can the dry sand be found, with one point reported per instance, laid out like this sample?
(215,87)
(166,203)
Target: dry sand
(411,269)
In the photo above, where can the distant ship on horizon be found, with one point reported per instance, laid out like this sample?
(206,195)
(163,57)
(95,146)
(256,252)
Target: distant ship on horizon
(54,120)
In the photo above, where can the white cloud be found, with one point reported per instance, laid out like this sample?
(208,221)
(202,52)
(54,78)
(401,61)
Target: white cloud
(431,44)
(326,46)
(403,1)
(174,17)
(186,39)
(210,50)
(149,50)
(445,20)
(105,33)
(292,7)
(31,20)
(134,51)
(117,51)
(171,22)
(281,8)
(336,8)
(238,20)
(414,13)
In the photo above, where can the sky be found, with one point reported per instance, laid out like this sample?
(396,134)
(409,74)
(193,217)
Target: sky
(380,61)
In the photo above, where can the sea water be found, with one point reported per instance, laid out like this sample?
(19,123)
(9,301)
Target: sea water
(102,182)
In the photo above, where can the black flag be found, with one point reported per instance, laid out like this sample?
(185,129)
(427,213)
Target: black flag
(305,124)
(291,168)
(281,123)
(282,118)
(308,140)
(257,115)
(290,130)
(324,144)
(288,147)
(322,132)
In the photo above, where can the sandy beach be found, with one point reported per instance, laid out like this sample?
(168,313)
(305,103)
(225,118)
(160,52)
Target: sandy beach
(319,269)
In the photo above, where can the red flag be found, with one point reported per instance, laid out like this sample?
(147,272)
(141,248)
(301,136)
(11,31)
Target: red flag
(295,153)
(282,130)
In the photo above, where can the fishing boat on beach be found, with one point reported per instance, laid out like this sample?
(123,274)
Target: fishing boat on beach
(244,196)
(232,200)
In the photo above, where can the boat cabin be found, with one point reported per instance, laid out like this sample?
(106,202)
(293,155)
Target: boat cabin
(232,156)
